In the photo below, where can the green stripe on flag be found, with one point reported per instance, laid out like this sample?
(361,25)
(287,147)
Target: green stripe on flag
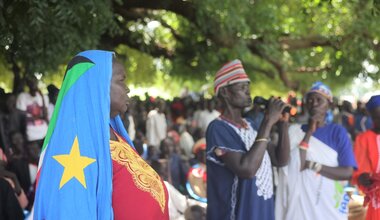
(71,77)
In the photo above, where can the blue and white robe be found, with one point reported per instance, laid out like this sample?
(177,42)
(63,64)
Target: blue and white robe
(306,194)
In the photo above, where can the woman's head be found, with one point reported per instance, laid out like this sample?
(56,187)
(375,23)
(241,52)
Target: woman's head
(318,100)
(167,147)
(373,107)
(119,91)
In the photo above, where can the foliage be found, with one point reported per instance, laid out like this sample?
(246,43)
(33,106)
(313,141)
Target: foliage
(40,35)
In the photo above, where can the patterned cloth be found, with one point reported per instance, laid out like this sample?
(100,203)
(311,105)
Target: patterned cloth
(231,73)
(319,87)
(228,196)
(75,169)
(306,194)
(133,176)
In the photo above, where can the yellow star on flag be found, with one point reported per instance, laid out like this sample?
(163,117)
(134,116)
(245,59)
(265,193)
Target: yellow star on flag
(73,164)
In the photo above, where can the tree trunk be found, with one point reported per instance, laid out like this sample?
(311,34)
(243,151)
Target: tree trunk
(18,84)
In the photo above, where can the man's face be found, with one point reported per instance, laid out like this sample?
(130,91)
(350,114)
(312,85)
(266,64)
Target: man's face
(239,95)
(161,105)
(32,83)
(317,105)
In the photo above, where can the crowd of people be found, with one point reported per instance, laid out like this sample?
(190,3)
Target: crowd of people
(187,158)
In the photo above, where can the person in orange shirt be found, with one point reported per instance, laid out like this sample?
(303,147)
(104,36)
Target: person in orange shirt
(367,151)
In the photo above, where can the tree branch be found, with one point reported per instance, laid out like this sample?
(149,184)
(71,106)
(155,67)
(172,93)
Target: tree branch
(131,14)
(267,73)
(174,32)
(252,45)
(289,44)
(304,69)
(154,50)
(183,8)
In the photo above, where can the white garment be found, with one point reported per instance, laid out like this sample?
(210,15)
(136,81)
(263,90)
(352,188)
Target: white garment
(186,142)
(196,116)
(50,110)
(264,175)
(155,128)
(307,195)
(32,172)
(178,203)
(131,128)
(35,129)
(205,117)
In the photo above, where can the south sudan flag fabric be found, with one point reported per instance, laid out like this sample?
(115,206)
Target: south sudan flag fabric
(75,169)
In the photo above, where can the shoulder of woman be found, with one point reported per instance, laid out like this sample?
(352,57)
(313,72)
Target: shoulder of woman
(336,127)
(365,134)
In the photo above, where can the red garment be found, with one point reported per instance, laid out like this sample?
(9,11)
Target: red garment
(367,149)
(138,191)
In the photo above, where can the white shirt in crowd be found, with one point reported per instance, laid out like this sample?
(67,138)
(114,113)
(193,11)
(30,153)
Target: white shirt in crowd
(155,128)
(178,203)
(186,142)
(36,128)
(131,128)
(205,117)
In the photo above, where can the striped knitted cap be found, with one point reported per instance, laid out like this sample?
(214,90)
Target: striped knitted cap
(231,73)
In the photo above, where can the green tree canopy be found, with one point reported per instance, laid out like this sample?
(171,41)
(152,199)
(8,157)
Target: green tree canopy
(283,44)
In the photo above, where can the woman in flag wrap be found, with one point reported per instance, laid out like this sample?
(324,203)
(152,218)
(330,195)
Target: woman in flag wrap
(311,186)
(367,151)
(89,168)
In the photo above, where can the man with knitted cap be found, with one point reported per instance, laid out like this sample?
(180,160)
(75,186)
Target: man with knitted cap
(239,166)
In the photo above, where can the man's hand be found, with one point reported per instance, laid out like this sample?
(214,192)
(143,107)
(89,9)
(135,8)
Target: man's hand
(317,117)
(274,110)
(285,117)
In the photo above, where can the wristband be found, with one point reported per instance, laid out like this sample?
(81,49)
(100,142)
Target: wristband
(304,145)
(317,167)
(262,140)
(311,165)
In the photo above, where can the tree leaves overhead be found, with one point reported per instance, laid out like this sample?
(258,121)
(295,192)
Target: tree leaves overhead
(286,44)
(39,35)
